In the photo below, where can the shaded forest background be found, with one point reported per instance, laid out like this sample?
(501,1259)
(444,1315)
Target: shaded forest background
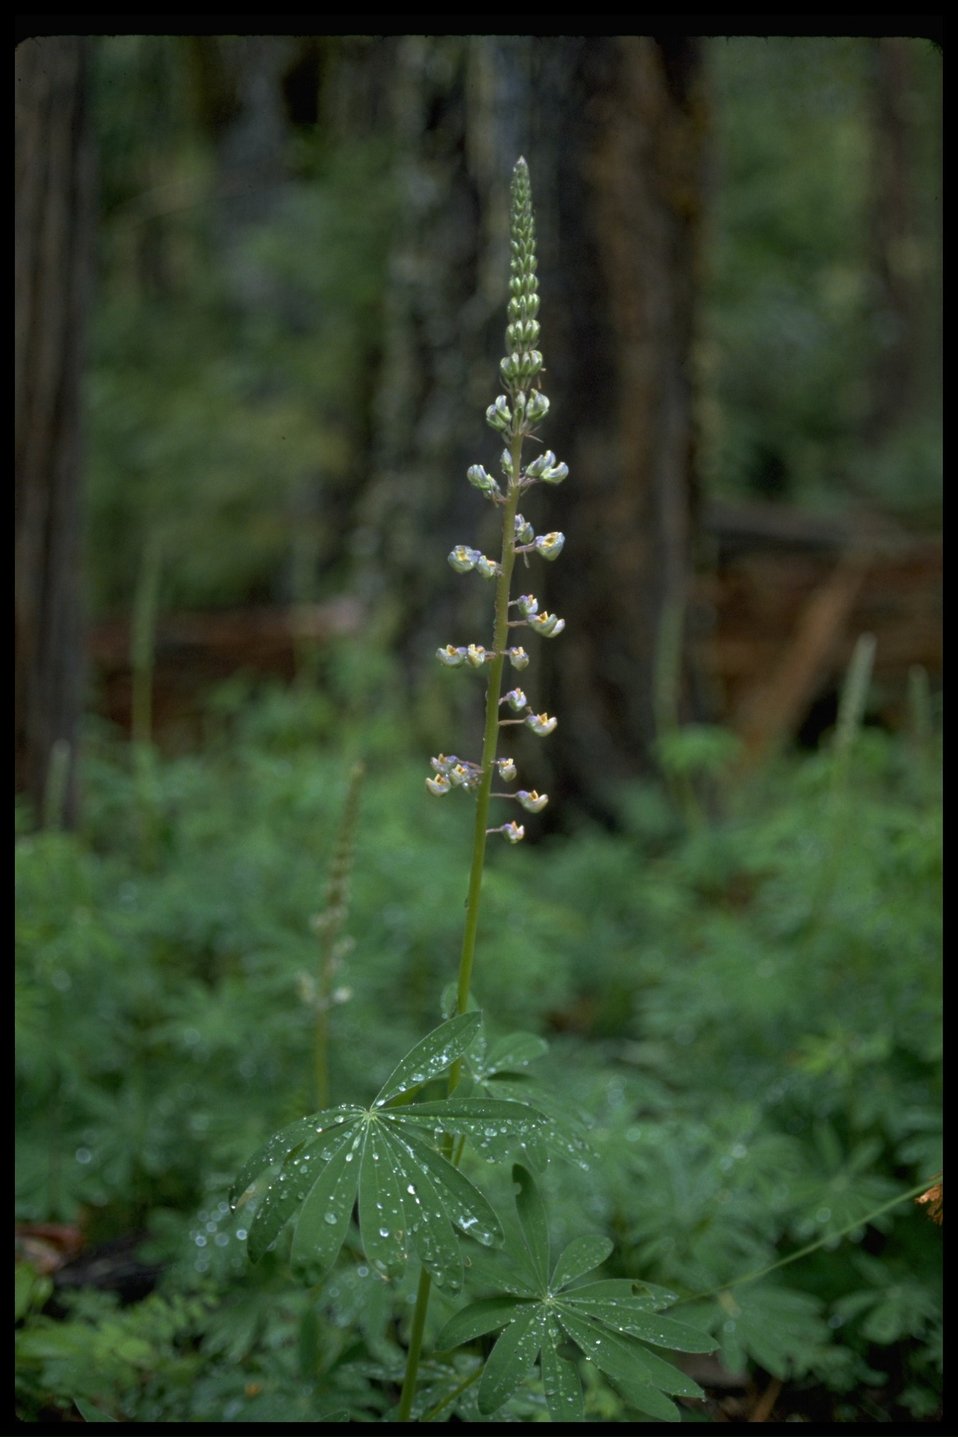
(260,307)
(285,318)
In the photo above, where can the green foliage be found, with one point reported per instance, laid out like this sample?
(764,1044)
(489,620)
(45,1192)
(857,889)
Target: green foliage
(408,1193)
(794,320)
(754,1072)
(225,368)
(539,1312)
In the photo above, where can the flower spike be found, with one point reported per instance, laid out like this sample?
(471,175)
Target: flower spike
(514,415)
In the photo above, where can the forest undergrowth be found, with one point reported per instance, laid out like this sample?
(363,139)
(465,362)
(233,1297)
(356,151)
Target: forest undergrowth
(744,1015)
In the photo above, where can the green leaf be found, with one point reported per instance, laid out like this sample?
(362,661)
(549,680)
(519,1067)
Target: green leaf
(278,1147)
(516,1050)
(410,1196)
(461,1202)
(532,1220)
(512,1358)
(779,1327)
(646,1295)
(289,1187)
(324,1217)
(624,1359)
(624,1316)
(493,1124)
(427,1220)
(383,1221)
(430,1057)
(89,1413)
(582,1255)
(477,1319)
(560,1379)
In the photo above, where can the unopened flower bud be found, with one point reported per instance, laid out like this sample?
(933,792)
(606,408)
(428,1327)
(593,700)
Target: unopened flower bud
(499,415)
(537,407)
(555,475)
(530,362)
(486,567)
(540,464)
(482,480)
(505,459)
(524,530)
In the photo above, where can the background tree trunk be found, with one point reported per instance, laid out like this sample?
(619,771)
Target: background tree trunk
(53,226)
(630,185)
(613,132)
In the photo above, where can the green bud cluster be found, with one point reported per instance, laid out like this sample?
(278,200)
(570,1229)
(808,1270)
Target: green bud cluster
(514,416)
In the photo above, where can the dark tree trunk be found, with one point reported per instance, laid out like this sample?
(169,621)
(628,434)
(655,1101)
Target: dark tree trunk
(631,194)
(53,227)
(613,131)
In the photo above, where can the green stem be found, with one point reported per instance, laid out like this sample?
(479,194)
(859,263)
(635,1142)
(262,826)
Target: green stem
(490,740)
(812,1246)
(415,1345)
(490,745)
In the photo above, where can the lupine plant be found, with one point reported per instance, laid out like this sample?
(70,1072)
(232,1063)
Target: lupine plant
(397,1159)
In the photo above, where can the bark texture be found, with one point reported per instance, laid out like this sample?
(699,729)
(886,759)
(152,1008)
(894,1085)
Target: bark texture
(53,222)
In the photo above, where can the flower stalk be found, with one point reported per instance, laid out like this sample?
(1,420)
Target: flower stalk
(514,415)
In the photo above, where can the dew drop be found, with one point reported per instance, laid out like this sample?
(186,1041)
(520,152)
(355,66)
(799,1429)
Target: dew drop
(330,1217)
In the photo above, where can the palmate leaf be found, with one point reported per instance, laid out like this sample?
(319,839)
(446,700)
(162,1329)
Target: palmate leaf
(610,1322)
(778,1327)
(411,1198)
(499,1069)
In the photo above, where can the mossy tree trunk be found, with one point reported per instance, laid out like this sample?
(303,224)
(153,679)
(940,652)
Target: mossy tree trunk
(53,223)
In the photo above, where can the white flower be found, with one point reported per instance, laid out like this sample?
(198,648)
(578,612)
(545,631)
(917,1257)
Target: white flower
(548,625)
(550,545)
(541,724)
(463,558)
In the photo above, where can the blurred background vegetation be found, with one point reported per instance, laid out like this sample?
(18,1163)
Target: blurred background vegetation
(298,260)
